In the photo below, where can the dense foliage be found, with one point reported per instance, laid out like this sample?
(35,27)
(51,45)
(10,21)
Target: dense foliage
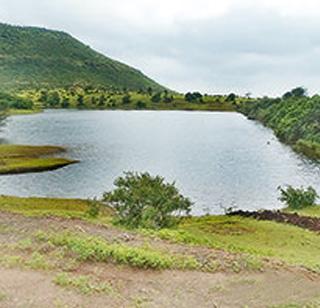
(88,97)
(35,57)
(141,200)
(298,198)
(295,118)
(8,101)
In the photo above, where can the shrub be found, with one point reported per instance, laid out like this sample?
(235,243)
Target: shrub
(92,248)
(141,200)
(298,198)
(141,105)
(126,99)
(93,210)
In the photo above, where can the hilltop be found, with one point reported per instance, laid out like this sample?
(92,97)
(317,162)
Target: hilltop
(35,57)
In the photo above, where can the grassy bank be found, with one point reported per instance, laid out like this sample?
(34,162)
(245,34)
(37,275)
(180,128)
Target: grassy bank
(295,119)
(312,211)
(55,245)
(236,235)
(23,159)
(68,208)
(289,244)
(104,99)
(12,112)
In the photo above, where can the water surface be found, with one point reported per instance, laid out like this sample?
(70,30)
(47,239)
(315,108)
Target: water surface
(217,159)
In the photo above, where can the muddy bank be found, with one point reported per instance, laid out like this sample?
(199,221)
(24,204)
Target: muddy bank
(310,223)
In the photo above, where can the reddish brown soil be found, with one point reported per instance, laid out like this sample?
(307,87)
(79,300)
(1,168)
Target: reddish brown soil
(310,223)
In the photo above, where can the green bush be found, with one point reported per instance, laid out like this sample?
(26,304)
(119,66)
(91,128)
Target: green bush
(92,248)
(298,198)
(94,207)
(141,200)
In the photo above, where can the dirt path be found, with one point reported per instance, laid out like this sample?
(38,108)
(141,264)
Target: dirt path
(26,287)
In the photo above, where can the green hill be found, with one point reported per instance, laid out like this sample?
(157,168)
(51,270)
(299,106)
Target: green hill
(295,119)
(34,57)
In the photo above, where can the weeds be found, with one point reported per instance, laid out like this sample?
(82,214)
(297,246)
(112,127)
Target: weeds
(89,248)
(83,284)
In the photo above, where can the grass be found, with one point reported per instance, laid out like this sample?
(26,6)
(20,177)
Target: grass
(23,111)
(312,211)
(3,296)
(68,208)
(27,165)
(13,151)
(37,261)
(10,261)
(39,58)
(310,304)
(85,284)
(290,244)
(254,239)
(93,248)
(24,158)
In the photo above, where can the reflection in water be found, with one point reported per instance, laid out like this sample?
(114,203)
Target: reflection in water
(217,159)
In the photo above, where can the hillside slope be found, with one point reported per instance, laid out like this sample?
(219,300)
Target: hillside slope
(294,119)
(35,57)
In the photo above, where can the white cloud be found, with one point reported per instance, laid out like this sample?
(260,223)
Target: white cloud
(211,45)
(294,7)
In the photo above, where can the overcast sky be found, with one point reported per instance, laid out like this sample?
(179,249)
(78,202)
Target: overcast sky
(215,46)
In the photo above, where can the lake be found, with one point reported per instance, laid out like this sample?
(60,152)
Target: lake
(217,159)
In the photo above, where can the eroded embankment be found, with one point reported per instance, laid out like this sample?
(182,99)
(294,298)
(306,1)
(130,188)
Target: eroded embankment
(310,223)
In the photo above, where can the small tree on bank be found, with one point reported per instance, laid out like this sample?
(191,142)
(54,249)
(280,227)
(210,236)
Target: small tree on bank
(298,198)
(141,200)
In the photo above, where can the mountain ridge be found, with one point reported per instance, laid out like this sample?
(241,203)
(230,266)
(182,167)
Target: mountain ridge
(34,57)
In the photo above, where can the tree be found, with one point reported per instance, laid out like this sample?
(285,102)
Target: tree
(126,99)
(141,200)
(65,103)
(287,95)
(299,92)
(193,97)
(156,98)
(80,101)
(102,100)
(93,101)
(53,99)
(168,99)
(231,97)
(3,114)
(248,95)
(43,96)
(298,198)
(150,91)
(296,92)
(188,97)
(140,105)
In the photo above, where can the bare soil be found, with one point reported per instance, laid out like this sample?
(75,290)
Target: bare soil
(21,287)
